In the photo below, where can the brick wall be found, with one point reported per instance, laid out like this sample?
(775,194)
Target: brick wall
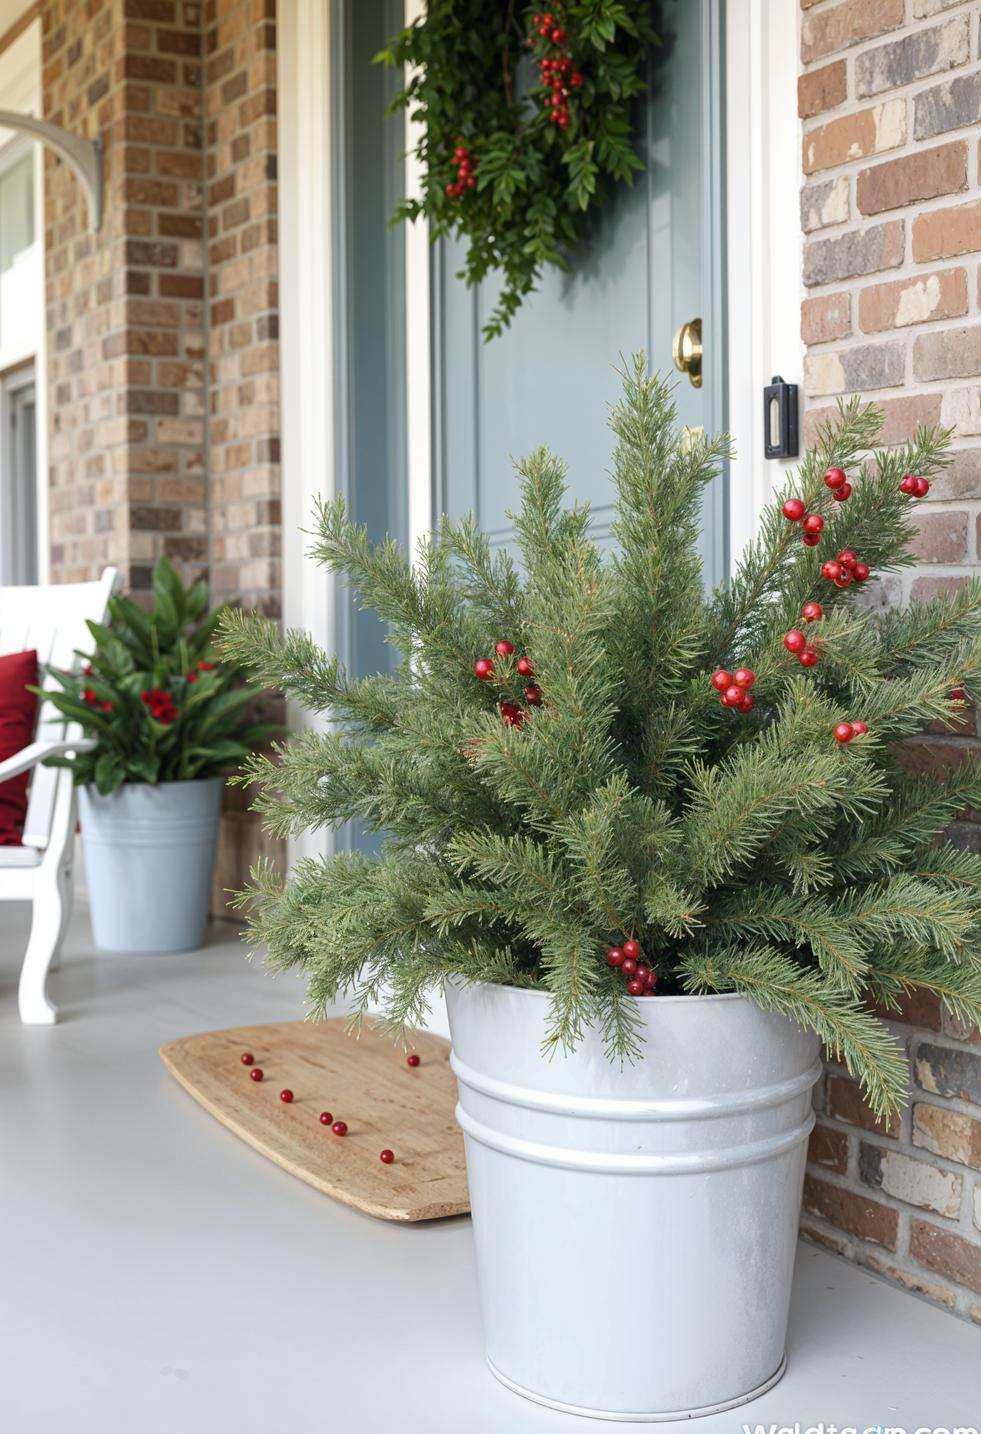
(890,99)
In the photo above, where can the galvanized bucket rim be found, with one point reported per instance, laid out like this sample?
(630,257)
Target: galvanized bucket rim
(463,983)
(155,786)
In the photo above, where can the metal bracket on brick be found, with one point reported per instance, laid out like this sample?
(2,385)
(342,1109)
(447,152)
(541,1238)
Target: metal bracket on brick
(83,156)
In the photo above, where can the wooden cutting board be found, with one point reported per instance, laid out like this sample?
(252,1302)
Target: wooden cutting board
(366,1082)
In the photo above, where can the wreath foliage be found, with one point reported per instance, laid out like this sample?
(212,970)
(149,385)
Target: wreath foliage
(526,115)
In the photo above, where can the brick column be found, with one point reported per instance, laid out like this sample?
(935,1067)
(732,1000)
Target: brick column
(890,97)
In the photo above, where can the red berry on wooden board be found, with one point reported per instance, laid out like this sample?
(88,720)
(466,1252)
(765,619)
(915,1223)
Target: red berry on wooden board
(794,509)
(813,523)
(247,1058)
(831,570)
(810,540)
(847,558)
(484,668)
(922,488)
(835,477)
(860,728)
(629,966)
(339,1127)
(631,948)
(504,648)
(533,696)
(794,641)
(635,987)
(808,658)
(743,677)
(721,680)
(614,957)
(861,572)
(412,1060)
(386,1156)
(842,494)
(524,666)
(326,1118)
(811,611)
(732,696)
(844,732)
(255,1073)
(286,1096)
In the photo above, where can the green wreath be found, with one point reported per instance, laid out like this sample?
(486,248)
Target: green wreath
(525,115)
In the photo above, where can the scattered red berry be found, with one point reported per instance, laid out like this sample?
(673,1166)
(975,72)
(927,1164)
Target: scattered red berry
(412,1060)
(831,570)
(504,648)
(339,1127)
(247,1058)
(835,477)
(808,658)
(810,540)
(842,494)
(386,1156)
(533,696)
(614,957)
(512,714)
(743,677)
(794,641)
(632,949)
(860,728)
(191,677)
(286,1096)
(794,509)
(524,667)
(844,732)
(484,668)
(813,523)
(721,680)
(255,1073)
(811,611)
(325,1117)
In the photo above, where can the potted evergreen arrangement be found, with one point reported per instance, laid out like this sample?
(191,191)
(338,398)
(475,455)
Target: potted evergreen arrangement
(658,847)
(168,719)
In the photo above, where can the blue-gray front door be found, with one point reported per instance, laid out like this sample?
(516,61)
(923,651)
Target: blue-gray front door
(652,261)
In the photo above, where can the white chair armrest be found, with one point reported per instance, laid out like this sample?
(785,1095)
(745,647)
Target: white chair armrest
(35,752)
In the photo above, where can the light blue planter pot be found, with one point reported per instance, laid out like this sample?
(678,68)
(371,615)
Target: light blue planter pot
(149,859)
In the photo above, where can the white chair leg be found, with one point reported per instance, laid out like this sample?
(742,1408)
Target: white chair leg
(47,929)
(66,884)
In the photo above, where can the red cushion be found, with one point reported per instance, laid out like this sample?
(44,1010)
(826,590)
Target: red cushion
(18,710)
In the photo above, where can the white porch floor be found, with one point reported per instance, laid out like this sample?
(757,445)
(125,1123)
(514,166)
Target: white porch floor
(159,1276)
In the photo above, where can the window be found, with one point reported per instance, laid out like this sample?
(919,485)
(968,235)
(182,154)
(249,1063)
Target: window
(18,465)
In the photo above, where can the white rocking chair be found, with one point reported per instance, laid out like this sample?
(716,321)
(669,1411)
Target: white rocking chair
(52,620)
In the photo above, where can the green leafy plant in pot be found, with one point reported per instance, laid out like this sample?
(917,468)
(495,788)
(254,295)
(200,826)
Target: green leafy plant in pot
(165,719)
(658,846)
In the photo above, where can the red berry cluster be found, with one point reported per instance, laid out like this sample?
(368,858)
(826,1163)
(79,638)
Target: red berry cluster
(641,980)
(807,653)
(845,731)
(794,510)
(734,687)
(557,72)
(90,698)
(465,166)
(845,569)
(484,668)
(841,489)
(198,668)
(339,1127)
(162,706)
(914,487)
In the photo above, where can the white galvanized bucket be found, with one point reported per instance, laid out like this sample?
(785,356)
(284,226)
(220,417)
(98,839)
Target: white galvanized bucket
(635,1229)
(149,859)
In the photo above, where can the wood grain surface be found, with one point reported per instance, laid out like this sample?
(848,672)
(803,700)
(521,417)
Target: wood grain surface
(366,1082)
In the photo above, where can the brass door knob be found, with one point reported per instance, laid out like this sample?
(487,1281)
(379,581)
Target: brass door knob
(687,351)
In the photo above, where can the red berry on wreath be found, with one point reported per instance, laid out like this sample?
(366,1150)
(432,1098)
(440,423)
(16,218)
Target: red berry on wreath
(413,1060)
(286,1096)
(504,648)
(860,728)
(325,1117)
(721,680)
(512,714)
(835,477)
(635,987)
(861,572)
(844,732)
(908,484)
(922,488)
(255,1073)
(339,1127)
(808,658)
(642,972)
(484,668)
(631,949)
(247,1058)
(629,966)
(811,611)
(794,641)
(732,696)
(810,540)
(524,666)
(533,696)
(744,677)
(794,509)
(746,705)
(847,558)
(831,570)
(614,957)
(842,494)
(386,1156)
(813,523)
